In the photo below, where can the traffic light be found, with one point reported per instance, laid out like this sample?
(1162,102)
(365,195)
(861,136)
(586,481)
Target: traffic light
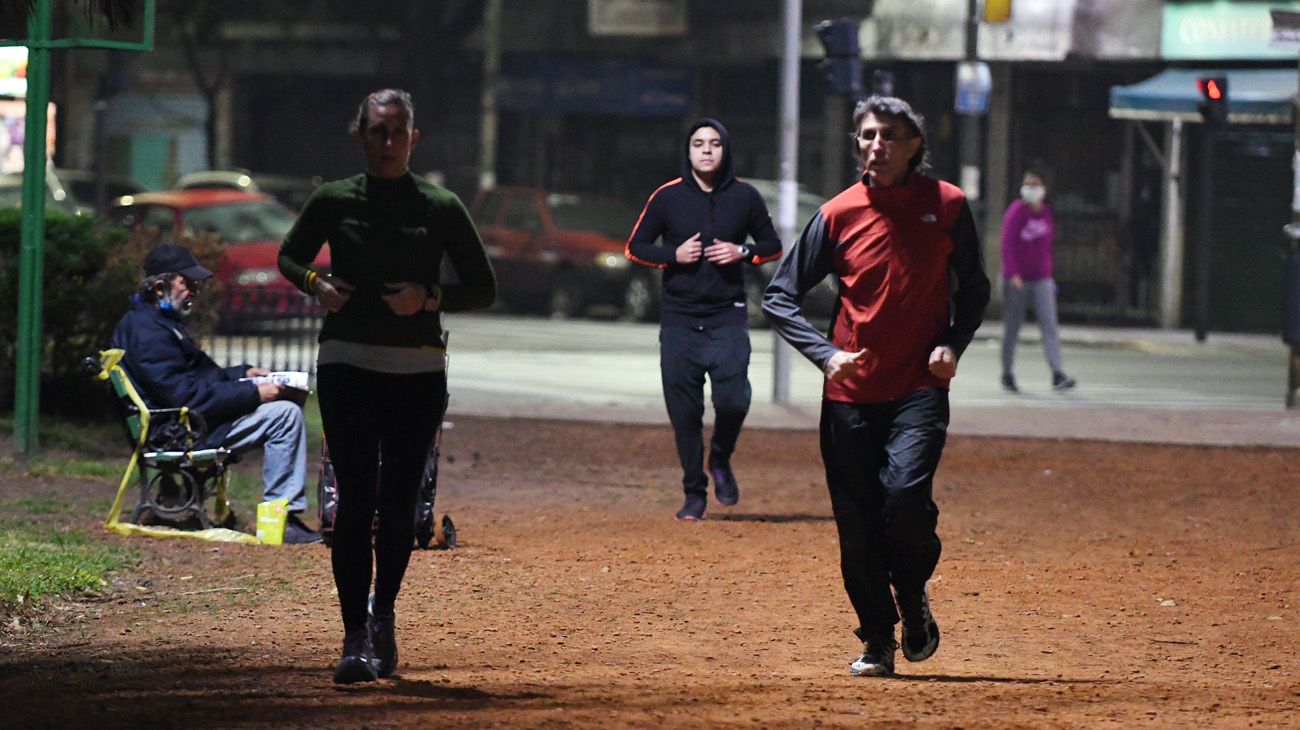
(1214,104)
(843,64)
(997,11)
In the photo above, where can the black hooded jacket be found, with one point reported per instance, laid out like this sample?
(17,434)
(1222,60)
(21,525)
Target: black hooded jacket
(703,293)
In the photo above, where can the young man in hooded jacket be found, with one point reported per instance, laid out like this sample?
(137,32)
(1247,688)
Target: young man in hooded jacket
(704,218)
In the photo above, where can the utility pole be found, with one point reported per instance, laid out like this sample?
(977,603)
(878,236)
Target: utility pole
(31,257)
(487,151)
(1286,32)
(787,185)
(31,254)
(968,122)
(1214,117)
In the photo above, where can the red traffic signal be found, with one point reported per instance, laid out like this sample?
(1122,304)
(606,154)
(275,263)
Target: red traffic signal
(1214,104)
(1213,88)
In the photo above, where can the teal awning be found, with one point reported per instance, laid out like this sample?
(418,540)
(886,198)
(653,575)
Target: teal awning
(1255,96)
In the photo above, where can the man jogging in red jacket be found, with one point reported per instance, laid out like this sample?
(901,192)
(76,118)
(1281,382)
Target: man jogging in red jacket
(892,242)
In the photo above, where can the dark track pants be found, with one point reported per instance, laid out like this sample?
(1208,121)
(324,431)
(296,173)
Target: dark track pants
(367,415)
(686,355)
(880,462)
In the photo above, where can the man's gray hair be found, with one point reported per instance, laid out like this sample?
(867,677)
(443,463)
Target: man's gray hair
(892,107)
(148,289)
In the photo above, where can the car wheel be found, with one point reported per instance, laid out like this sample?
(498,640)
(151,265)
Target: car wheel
(566,297)
(639,299)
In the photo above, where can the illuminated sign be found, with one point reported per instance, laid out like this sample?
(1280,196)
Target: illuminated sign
(13,130)
(13,71)
(1222,30)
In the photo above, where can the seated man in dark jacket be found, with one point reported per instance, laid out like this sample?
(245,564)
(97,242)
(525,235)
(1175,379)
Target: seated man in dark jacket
(170,371)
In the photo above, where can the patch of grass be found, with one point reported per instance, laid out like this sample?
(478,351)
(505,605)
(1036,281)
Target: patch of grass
(47,505)
(35,564)
(84,468)
(244,487)
(99,507)
(94,438)
(311,414)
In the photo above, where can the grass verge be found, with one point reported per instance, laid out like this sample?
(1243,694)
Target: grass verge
(41,554)
(37,563)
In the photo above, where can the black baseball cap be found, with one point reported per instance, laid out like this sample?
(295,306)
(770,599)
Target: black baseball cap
(171,257)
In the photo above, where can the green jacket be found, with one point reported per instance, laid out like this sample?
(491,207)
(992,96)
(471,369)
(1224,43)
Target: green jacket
(382,230)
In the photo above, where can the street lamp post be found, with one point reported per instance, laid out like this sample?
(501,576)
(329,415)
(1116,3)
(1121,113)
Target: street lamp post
(968,124)
(787,185)
(31,255)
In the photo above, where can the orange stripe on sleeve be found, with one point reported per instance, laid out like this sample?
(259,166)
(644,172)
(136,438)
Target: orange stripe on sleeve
(627,249)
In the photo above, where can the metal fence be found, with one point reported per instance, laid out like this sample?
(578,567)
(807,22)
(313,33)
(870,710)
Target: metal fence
(268,328)
(1095,273)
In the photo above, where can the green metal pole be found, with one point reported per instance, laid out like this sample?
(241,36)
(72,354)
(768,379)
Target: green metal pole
(31,267)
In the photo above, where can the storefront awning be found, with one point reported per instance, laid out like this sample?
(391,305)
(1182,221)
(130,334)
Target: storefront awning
(1255,96)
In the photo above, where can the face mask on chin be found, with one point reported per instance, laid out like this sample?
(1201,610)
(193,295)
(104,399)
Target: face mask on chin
(1032,194)
(169,302)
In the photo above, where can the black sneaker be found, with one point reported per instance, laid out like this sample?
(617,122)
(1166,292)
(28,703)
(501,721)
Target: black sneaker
(383,639)
(1009,384)
(1061,381)
(693,508)
(725,487)
(877,658)
(920,631)
(297,533)
(357,664)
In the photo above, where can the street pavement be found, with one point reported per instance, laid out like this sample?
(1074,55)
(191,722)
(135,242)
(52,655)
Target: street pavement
(1135,385)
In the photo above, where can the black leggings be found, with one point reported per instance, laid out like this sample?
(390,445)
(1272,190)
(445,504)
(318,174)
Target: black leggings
(367,415)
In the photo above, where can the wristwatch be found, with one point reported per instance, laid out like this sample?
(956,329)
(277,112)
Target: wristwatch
(432,298)
(745,251)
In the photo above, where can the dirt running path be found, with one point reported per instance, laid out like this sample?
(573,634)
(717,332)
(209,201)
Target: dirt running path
(1082,585)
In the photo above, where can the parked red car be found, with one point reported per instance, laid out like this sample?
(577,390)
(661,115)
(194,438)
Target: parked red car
(558,253)
(250,224)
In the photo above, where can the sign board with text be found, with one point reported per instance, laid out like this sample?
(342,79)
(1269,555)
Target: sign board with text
(1219,29)
(637,17)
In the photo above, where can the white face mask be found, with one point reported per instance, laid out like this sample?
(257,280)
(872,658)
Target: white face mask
(1032,194)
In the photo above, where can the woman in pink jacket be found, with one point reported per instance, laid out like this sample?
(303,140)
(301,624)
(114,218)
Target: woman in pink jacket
(1028,231)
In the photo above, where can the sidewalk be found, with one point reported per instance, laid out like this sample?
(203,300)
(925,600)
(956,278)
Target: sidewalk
(1144,339)
(1136,385)
(1226,427)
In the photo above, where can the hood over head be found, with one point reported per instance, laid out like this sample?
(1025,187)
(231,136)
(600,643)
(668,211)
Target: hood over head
(725,173)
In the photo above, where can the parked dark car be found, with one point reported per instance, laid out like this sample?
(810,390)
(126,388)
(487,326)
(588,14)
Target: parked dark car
(68,191)
(251,225)
(80,188)
(557,253)
(56,198)
(820,301)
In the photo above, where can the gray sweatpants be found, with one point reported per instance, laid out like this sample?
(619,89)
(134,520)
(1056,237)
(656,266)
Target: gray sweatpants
(1041,295)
